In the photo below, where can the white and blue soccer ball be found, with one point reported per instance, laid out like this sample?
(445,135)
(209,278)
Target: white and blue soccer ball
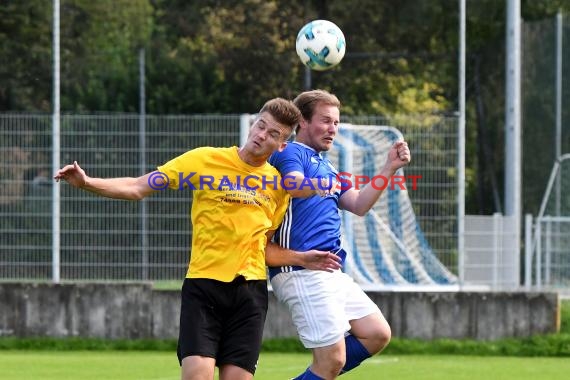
(320,45)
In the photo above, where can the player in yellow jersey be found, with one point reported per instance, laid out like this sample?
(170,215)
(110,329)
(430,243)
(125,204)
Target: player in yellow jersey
(239,200)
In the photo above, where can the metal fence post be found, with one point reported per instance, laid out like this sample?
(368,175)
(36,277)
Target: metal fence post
(527,251)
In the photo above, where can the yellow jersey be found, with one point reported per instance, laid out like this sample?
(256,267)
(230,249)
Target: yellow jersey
(234,206)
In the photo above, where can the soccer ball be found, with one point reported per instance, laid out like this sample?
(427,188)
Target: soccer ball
(320,45)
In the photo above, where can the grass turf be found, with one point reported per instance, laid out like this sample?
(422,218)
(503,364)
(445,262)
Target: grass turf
(131,365)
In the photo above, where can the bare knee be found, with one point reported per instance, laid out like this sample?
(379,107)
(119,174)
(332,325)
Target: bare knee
(197,368)
(329,361)
(381,338)
(373,331)
(333,364)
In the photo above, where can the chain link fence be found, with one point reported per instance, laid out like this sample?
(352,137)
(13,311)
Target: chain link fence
(101,239)
(546,145)
(104,239)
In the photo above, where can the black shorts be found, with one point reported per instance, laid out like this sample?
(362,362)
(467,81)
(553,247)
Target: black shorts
(223,320)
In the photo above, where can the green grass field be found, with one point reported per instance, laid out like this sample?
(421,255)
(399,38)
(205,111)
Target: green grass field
(132,365)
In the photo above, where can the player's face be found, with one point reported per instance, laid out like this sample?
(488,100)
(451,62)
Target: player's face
(322,128)
(266,136)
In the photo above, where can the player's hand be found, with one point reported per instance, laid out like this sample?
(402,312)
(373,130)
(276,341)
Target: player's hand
(321,260)
(324,186)
(73,174)
(399,155)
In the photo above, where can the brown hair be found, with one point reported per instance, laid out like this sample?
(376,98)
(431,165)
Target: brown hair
(283,111)
(307,102)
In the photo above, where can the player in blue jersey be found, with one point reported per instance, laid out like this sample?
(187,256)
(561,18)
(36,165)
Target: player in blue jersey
(333,316)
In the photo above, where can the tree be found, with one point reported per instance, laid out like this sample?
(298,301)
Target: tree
(25,48)
(99,53)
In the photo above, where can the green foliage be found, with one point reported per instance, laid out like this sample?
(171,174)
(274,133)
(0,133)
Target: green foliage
(25,48)
(225,57)
(75,344)
(99,52)
(283,345)
(550,345)
(565,317)
(99,43)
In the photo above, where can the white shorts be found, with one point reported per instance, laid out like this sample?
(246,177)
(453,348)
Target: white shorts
(322,304)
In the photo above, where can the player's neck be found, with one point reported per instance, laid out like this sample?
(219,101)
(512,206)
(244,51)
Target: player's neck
(251,159)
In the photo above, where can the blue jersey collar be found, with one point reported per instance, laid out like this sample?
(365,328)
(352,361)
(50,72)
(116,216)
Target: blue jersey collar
(308,147)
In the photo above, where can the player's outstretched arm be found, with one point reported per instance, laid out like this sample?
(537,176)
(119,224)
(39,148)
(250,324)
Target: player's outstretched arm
(360,202)
(128,188)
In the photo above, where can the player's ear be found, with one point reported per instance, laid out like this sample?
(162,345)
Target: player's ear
(282,146)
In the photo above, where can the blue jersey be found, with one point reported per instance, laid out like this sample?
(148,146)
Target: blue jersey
(312,222)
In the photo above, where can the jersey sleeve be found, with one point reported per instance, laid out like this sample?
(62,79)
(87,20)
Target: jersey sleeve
(287,161)
(182,169)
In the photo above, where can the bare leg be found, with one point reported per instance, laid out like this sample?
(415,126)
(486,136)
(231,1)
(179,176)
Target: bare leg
(232,372)
(373,331)
(329,360)
(197,368)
